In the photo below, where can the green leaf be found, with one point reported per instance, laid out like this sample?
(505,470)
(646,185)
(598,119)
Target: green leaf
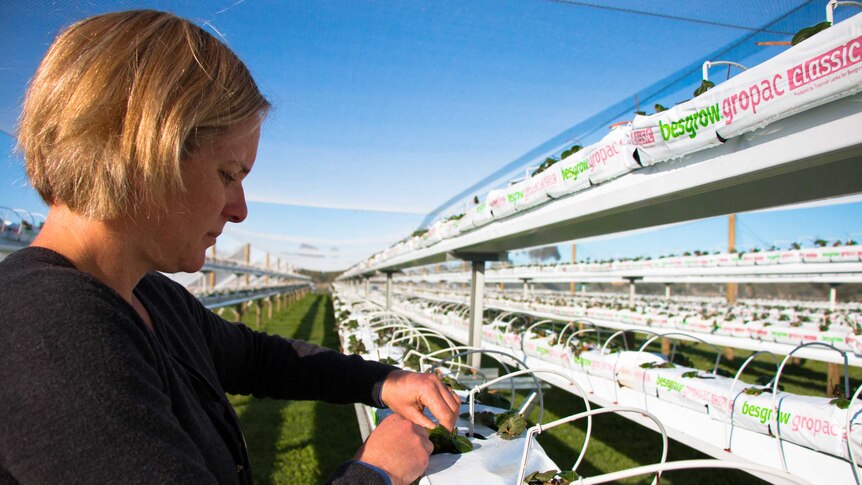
(485,418)
(490,398)
(704,87)
(551,477)
(659,108)
(445,441)
(512,427)
(840,402)
(569,476)
(540,478)
(501,418)
(462,444)
(654,365)
(809,32)
(453,383)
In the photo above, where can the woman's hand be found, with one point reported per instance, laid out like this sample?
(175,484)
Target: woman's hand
(398,447)
(409,393)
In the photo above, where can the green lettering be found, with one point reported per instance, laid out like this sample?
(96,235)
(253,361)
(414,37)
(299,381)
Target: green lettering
(665,130)
(714,114)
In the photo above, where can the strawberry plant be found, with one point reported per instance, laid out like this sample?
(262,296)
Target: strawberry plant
(809,32)
(355,346)
(508,425)
(453,383)
(412,361)
(551,477)
(446,441)
(492,398)
(704,87)
(656,365)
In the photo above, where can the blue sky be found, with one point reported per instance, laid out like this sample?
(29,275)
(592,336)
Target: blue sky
(385,110)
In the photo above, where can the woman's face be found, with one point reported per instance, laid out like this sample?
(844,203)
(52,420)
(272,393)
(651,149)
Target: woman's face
(213,177)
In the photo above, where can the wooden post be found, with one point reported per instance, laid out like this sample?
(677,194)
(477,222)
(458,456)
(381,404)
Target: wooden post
(239,310)
(247,260)
(665,346)
(269,309)
(258,318)
(728,354)
(833,296)
(572,284)
(833,379)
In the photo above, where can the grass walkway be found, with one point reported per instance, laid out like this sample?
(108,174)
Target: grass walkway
(292,442)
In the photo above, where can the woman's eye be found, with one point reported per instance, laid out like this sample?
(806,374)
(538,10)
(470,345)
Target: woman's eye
(228,177)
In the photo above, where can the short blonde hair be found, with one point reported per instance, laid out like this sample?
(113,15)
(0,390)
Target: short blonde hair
(119,100)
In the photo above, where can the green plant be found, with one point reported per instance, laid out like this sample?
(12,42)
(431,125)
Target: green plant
(551,477)
(446,441)
(355,346)
(809,32)
(510,425)
(544,166)
(492,398)
(570,151)
(704,87)
(453,383)
(656,365)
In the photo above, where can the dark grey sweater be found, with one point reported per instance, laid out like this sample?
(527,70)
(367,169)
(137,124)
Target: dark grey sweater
(89,395)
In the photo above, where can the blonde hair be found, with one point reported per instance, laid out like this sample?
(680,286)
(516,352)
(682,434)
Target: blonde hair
(119,100)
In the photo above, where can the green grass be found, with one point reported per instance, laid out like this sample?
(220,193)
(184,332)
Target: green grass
(293,442)
(302,442)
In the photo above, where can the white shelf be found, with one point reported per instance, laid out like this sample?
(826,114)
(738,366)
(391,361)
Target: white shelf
(813,155)
(814,353)
(775,273)
(687,426)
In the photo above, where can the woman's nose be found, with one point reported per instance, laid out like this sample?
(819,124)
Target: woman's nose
(236,210)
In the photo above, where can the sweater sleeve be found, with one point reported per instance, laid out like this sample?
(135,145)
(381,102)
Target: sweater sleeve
(83,397)
(252,362)
(358,473)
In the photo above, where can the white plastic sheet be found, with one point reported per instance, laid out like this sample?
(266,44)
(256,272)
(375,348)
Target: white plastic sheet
(574,175)
(820,69)
(612,156)
(535,189)
(492,461)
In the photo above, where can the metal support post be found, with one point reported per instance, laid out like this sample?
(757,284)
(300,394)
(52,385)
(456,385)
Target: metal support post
(367,287)
(833,296)
(667,292)
(526,288)
(388,291)
(477,293)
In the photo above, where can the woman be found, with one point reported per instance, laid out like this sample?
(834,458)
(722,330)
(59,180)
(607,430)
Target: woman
(138,130)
